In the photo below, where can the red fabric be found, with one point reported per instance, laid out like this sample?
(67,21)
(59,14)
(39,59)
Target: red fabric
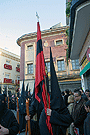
(38,31)
(75,130)
(40,73)
(39,77)
(45,106)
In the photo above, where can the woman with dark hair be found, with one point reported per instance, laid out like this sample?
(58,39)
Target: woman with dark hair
(66,96)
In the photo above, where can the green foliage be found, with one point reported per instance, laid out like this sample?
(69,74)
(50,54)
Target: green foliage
(68,8)
(67,32)
(67,42)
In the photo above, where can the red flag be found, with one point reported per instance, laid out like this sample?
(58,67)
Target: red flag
(76,131)
(40,77)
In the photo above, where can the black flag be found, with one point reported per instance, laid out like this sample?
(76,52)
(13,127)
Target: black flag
(56,98)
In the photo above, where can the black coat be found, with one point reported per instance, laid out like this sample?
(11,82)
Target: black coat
(66,99)
(59,120)
(36,107)
(87,125)
(22,113)
(79,114)
(9,121)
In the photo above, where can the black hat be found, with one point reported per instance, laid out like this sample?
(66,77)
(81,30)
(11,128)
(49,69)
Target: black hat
(27,91)
(0,89)
(23,90)
(56,97)
(2,103)
(5,91)
(9,93)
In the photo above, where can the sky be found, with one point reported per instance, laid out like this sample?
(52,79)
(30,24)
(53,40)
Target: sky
(18,17)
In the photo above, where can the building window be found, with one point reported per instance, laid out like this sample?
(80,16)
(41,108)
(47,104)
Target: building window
(59,42)
(7,62)
(18,65)
(48,66)
(30,47)
(75,64)
(7,76)
(61,65)
(30,68)
(18,77)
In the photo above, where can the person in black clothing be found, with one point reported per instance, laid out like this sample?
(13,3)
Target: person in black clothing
(87,120)
(59,119)
(83,95)
(35,108)
(87,92)
(0,90)
(58,114)
(78,113)
(8,122)
(66,97)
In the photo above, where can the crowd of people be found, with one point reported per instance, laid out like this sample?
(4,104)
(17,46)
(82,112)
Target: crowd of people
(70,117)
(78,104)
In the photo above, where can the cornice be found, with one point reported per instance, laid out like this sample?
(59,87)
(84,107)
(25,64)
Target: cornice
(10,57)
(44,33)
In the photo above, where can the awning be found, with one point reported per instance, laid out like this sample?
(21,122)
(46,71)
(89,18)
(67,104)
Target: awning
(86,68)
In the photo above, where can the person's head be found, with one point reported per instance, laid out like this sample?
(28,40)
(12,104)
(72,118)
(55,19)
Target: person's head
(71,99)
(2,103)
(77,94)
(62,93)
(70,92)
(67,91)
(80,89)
(87,92)
(87,106)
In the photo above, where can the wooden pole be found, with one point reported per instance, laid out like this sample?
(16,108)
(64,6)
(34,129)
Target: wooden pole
(27,111)
(26,129)
(18,112)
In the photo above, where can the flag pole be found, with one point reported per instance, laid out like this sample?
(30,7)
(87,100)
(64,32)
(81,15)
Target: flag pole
(44,76)
(37,17)
(28,122)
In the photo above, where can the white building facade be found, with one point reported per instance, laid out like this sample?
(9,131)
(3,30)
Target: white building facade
(9,70)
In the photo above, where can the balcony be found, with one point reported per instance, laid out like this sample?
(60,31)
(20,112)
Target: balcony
(7,80)
(17,69)
(6,66)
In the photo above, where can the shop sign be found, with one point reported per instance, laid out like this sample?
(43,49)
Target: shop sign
(88,54)
(86,59)
(7,66)
(84,63)
(17,69)
(7,80)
